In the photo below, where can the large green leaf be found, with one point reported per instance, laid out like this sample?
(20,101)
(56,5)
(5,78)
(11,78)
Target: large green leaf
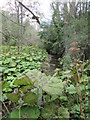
(30,98)
(30,112)
(13,97)
(14,114)
(49,84)
(25,112)
(25,88)
(23,81)
(53,87)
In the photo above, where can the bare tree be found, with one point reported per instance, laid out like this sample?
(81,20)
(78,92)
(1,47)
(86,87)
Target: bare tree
(20,7)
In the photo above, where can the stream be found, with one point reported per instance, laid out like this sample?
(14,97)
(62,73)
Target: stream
(54,63)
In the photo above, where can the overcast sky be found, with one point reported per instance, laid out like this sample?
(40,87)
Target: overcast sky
(44,5)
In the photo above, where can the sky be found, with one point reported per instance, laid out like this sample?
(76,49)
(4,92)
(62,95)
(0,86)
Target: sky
(44,6)
(44,3)
(2,2)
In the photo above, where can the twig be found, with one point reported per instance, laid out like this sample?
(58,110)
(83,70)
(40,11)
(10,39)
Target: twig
(5,107)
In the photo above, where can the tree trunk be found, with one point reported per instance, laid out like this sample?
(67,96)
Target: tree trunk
(18,30)
(65,26)
(83,8)
(86,8)
(21,28)
(80,10)
(72,9)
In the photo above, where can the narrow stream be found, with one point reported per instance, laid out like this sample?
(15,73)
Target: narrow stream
(54,63)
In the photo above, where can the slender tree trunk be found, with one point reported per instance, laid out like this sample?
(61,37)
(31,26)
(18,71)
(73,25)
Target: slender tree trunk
(72,9)
(21,28)
(76,10)
(86,8)
(83,8)
(80,10)
(18,30)
(1,29)
(65,26)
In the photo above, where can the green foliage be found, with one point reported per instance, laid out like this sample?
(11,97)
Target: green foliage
(71,89)
(6,86)
(54,85)
(13,97)
(12,42)
(63,113)
(52,110)
(52,33)
(13,66)
(47,83)
(37,95)
(67,61)
(14,114)
(76,30)
(48,110)
(30,34)
(70,98)
(10,30)
(30,98)
(25,88)
(22,81)
(31,58)
(30,91)
(25,112)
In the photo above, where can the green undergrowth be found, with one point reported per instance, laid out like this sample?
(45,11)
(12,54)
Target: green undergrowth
(29,93)
(13,64)
(77,89)
(37,96)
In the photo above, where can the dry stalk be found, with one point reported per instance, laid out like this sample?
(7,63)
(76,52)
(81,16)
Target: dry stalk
(84,91)
(80,95)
